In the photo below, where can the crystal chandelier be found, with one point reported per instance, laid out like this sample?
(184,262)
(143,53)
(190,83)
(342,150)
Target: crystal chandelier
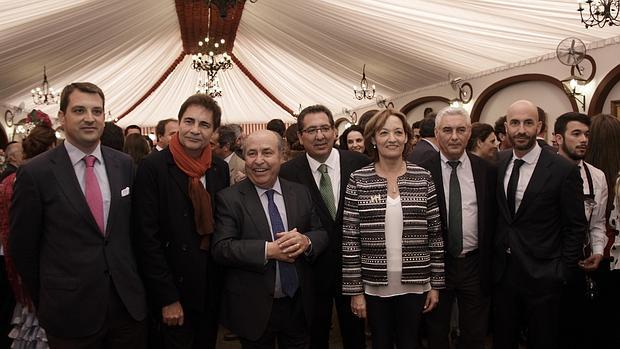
(44,94)
(210,87)
(599,12)
(364,91)
(211,62)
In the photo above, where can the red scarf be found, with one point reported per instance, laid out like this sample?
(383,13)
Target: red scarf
(201,200)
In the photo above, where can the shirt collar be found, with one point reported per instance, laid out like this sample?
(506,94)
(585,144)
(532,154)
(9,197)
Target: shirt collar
(532,156)
(227,159)
(463,159)
(276,187)
(76,155)
(331,162)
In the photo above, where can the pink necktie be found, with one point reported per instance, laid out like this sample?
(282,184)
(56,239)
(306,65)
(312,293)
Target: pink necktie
(93,192)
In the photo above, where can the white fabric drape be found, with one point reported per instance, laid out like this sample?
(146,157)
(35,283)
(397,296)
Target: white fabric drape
(302,51)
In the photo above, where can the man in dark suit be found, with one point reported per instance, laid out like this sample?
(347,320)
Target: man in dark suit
(466,189)
(540,232)
(70,233)
(426,147)
(174,193)
(267,234)
(305,170)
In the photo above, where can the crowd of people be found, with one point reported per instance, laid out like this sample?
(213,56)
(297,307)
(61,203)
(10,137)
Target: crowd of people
(438,234)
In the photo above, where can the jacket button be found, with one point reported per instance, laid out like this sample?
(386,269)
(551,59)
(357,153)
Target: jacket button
(166,244)
(184,247)
(184,214)
(180,279)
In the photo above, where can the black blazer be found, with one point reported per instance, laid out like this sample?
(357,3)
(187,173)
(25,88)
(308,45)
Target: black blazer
(173,266)
(329,264)
(485,177)
(239,244)
(65,262)
(547,232)
(422,151)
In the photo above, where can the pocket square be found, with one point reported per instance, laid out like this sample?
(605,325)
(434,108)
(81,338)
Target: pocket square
(125,192)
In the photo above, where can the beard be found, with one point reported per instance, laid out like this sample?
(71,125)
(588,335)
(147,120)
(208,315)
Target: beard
(571,153)
(527,146)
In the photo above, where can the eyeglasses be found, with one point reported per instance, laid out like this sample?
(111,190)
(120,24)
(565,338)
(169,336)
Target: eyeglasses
(312,131)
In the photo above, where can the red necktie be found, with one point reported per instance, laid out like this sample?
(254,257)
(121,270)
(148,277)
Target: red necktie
(93,192)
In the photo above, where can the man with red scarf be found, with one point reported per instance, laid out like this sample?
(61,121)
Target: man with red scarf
(173,203)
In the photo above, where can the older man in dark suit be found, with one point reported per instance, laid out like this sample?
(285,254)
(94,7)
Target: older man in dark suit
(540,233)
(318,134)
(175,190)
(466,189)
(70,233)
(267,234)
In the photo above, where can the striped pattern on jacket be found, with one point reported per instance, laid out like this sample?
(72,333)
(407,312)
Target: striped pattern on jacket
(364,259)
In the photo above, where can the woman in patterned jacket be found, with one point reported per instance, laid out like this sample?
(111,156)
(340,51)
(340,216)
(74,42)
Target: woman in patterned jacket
(392,246)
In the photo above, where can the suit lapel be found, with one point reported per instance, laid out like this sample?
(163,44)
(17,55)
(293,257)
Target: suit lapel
(479,184)
(69,185)
(537,181)
(114,173)
(290,202)
(179,177)
(254,208)
(501,194)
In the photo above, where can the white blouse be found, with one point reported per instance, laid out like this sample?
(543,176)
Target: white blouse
(393,246)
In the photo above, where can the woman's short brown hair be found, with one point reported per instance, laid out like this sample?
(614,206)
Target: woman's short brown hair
(377,122)
(40,139)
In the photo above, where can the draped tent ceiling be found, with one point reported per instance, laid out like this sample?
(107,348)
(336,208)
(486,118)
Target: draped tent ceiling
(296,52)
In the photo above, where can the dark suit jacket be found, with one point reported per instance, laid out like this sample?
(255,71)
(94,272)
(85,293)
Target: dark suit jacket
(547,232)
(422,151)
(485,177)
(329,264)
(173,266)
(546,146)
(239,244)
(65,262)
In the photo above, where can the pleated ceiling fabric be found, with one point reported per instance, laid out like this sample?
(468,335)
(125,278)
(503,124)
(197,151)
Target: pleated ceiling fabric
(302,51)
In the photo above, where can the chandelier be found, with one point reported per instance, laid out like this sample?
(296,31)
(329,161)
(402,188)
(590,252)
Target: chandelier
(44,94)
(211,62)
(364,91)
(599,12)
(209,87)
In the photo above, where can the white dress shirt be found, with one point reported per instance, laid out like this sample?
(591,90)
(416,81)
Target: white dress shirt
(596,214)
(79,166)
(469,202)
(333,170)
(525,173)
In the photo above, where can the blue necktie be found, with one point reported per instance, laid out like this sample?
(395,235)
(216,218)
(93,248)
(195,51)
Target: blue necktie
(288,274)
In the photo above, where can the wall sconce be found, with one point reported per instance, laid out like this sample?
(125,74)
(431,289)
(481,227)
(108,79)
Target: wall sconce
(572,86)
(464,91)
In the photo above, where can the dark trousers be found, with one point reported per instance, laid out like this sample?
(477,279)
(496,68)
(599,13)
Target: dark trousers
(575,315)
(7,305)
(287,326)
(462,282)
(351,327)
(119,331)
(394,321)
(519,300)
(199,331)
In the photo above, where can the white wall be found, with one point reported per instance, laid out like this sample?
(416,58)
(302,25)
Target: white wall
(417,113)
(549,97)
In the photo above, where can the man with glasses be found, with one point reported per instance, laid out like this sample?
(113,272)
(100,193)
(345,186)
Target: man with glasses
(326,171)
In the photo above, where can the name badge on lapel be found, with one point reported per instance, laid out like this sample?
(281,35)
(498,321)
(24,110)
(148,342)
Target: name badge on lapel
(125,192)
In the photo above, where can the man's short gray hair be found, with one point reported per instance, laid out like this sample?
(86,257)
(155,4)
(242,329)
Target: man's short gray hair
(449,110)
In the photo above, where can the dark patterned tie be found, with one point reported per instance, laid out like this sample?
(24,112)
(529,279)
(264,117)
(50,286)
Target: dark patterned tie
(455,213)
(288,274)
(513,182)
